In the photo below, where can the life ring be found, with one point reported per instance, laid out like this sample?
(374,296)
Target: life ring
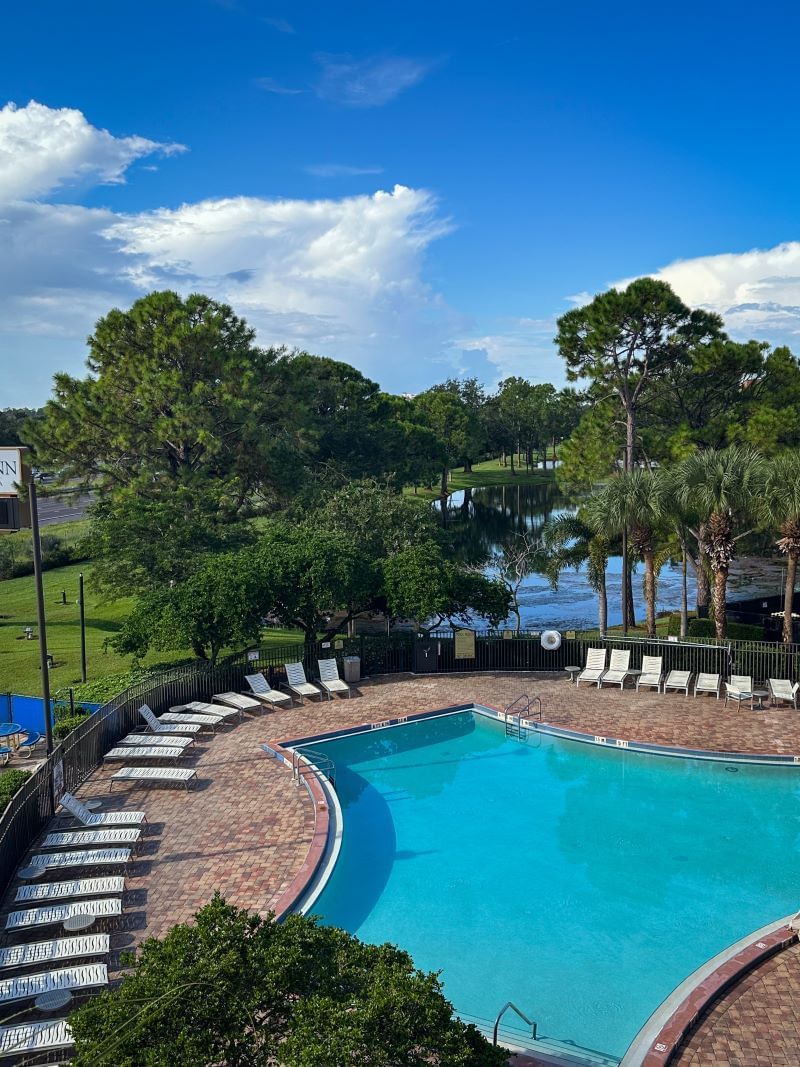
(551,640)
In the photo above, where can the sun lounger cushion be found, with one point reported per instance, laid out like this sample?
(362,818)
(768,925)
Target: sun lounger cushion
(90,857)
(78,887)
(181,775)
(64,948)
(28,986)
(30,1039)
(103,908)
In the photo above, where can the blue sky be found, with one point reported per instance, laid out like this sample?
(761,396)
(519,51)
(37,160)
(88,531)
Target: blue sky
(420,190)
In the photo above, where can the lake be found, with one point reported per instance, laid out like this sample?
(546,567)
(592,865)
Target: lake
(482,519)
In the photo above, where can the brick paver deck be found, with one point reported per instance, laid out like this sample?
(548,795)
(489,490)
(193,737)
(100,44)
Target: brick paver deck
(245,828)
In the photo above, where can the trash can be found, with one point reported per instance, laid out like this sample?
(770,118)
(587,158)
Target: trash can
(352,669)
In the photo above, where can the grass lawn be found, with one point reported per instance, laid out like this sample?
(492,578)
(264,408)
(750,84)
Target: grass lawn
(19,659)
(487,473)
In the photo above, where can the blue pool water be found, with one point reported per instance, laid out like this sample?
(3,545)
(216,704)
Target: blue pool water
(581,883)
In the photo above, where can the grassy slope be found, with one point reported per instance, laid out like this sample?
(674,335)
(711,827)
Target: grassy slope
(19,659)
(487,473)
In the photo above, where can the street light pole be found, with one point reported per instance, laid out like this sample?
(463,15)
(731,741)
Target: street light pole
(83,627)
(37,571)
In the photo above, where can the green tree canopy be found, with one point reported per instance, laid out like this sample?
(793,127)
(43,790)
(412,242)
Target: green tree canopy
(237,989)
(422,584)
(624,340)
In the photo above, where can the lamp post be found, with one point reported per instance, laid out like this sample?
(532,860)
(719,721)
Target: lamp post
(82,606)
(37,571)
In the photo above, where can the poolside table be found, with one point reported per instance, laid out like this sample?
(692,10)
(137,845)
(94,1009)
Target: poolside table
(759,696)
(74,924)
(572,670)
(11,733)
(53,1000)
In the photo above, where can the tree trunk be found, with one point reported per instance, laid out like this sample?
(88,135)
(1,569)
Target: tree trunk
(512,463)
(467,466)
(701,573)
(719,602)
(788,595)
(602,605)
(630,434)
(684,595)
(650,593)
(443,496)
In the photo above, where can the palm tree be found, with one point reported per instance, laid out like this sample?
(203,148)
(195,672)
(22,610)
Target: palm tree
(570,542)
(725,489)
(633,501)
(782,503)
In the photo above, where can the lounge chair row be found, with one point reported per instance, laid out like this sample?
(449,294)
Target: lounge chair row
(63,965)
(739,688)
(298,685)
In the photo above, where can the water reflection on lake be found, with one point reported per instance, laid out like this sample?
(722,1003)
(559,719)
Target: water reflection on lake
(482,519)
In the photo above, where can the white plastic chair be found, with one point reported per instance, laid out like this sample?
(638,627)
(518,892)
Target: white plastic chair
(783,691)
(652,675)
(298,683)
(263,691)
(329,678)
(618,669)
(708,683)
(678,680)
(595,665)
(80,812)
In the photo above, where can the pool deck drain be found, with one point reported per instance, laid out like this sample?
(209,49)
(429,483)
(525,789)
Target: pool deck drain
(246,828)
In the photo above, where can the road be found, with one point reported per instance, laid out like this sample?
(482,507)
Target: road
(65,508)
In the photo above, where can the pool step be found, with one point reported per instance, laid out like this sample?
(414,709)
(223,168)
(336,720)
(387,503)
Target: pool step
(515,729)
(546,1050)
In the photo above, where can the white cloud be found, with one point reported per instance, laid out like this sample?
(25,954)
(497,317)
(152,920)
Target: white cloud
(523,348)
(339,170)
(270,85)
(368,82)
(279,24)
(341,277)
(43,148)
(756,292)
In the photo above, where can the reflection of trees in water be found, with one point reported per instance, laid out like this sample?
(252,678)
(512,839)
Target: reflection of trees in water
(490,517)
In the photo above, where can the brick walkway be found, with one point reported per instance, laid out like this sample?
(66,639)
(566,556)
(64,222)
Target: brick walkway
(245,828)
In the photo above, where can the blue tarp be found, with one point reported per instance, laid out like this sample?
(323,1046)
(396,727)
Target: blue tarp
(28,711)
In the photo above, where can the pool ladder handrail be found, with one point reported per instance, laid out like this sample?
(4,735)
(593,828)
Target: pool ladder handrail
(324,764)
(530,702)
(511,1005)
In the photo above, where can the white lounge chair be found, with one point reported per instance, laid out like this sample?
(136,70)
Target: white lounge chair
(783,691)
(78,887)
(618,668)
(80,812)
(264,692)
(210,722)
(740,690)
(240,701)
(88,857)
(158,752)
(128,835)
(55,951)
(154,739)
(708,683)
(201,707)
(169,775)
(157,727)
(28,986)
(34,1039)
(298,683)
(678,680)
(329,678)
(104,908)
(652,675)
(595,665)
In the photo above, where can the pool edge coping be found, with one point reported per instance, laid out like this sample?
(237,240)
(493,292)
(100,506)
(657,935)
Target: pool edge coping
(676,1018)
(697,992)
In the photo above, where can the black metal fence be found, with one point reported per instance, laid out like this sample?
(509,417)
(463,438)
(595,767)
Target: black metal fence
(75,758)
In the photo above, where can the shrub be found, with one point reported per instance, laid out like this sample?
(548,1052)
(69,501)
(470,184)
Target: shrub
(674,625)
(67,723)
(236,988)
(737,631)
(10,782)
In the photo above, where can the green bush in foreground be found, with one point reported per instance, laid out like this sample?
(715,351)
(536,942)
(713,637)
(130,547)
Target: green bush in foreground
(10,782)
(236,989)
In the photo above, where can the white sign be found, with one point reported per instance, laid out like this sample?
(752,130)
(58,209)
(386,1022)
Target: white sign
(10,470)
(252,655)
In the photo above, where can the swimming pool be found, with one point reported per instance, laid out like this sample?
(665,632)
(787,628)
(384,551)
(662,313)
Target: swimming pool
(580,882)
